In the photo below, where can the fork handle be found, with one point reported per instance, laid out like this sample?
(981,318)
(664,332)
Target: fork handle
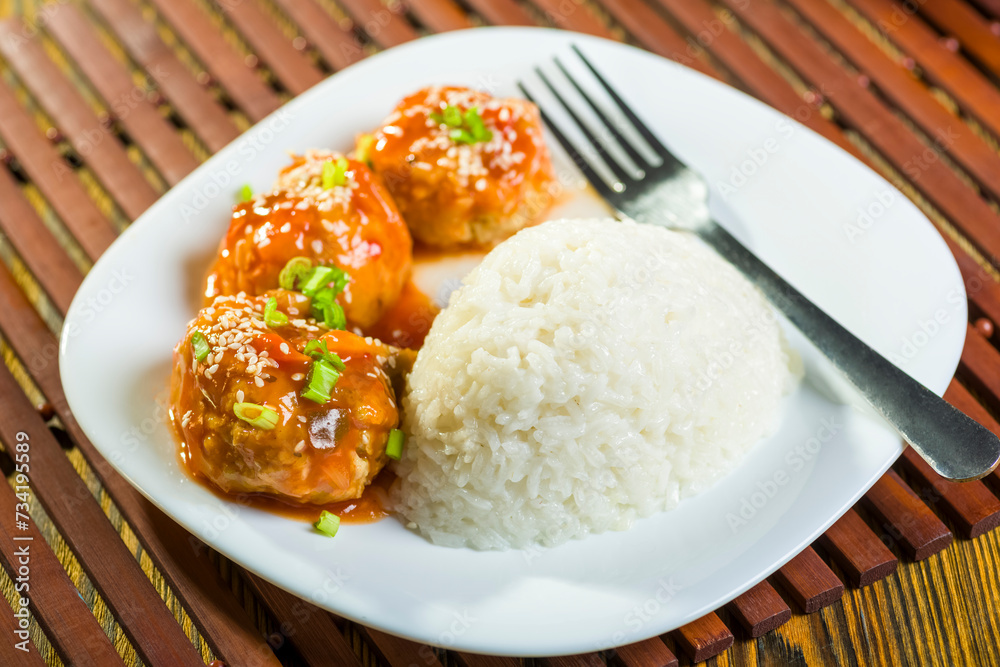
(954,445)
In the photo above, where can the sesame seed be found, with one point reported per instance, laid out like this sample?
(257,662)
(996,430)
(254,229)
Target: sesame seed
(300,446)
(297,376)
(284,348)
(258,381)
(240,396)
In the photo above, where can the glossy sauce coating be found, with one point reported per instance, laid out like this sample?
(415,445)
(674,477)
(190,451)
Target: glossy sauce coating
(316,454)
(452,193)
(354,226)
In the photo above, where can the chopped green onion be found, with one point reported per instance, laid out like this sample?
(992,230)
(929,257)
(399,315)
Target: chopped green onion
(260,416)
(320,277)
(246,193)
(363,152)
(474,122)
(394,446)
(340,172)
(322,378)
(452,116)
(334,173)
(462,136)
(329,168)
(200,345)
(297,269)
(334,317)
(272,316)
(466,128)
(318,350)
(328,523)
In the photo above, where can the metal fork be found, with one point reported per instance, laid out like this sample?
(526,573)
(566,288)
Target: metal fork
(673,195)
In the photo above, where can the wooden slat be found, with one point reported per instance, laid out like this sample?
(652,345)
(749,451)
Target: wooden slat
(36,244)
(960,397)
(66,106)
(957,18)
(189,573)
(978,367)
(651,652)
(385,27)
(704,638)
(983,292)
(54,177)
(943,67)
(109,564)
(757,77)
(398,652)
(899,86)
(970,505)
(240,82)
(193,103)
(857,550)
(572,16)
(54,601)
(477,660)
(760,610)
(311,630)
(810,581)
(502,12)
(654,33)
(143,121)
(990,8)
(338,46)
(904,519)
(439,15)
(9,653)
(582,660)
(295,72)
(859,108)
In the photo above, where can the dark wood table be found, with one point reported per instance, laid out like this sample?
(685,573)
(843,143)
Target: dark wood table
(105,104)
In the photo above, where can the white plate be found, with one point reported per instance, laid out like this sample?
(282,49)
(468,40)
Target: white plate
(832,227)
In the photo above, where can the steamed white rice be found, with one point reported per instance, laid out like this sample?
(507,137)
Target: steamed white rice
(588,373)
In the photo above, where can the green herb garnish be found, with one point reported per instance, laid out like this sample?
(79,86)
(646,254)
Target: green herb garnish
(246,193)
(272,316)
(328,523)
(200,345)
(296,270)
(322,377)
(394,446)
(466,128)
(260,416)
(318,350)
(334,173)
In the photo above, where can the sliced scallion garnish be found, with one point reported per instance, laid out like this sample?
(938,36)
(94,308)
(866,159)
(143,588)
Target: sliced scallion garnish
(272,316)
(320,277)
(260,416)
(295,271)
(322,378)
(394,446)
(200,345)
(465,127)
(246,193)
(318,350)
(328,523)
(334,173)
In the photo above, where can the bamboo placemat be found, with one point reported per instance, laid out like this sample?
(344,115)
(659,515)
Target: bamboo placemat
(104,104)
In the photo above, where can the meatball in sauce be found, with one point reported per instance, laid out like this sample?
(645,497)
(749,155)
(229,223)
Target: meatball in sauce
(247,421)
(465,168)
(332,211)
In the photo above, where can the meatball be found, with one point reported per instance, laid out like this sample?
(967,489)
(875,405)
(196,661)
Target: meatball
(465,168)
(246,418)
(352,223)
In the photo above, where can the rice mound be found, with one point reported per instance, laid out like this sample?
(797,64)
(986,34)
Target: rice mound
(586,374)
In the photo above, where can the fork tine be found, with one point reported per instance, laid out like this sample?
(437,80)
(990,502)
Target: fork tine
(626,145)
(654,143)
(620,172)
(581,162)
